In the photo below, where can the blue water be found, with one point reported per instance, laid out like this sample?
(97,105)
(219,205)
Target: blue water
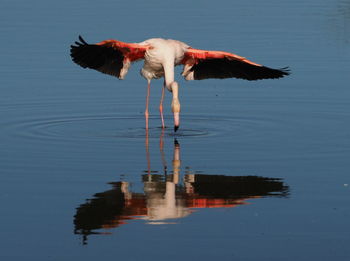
(258,171)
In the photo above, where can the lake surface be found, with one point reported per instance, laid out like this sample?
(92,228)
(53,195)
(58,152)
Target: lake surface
(258,170)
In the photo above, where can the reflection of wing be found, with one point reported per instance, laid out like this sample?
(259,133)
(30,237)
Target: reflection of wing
(163,199)
(202,64)
(111,56)
(228,191)
(107,210)
(99,211)
(237,186)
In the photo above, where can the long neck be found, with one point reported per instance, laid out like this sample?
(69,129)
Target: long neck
(175,104)
(169,73)
(175,90)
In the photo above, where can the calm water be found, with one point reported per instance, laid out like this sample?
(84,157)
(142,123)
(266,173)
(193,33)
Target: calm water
(258,171)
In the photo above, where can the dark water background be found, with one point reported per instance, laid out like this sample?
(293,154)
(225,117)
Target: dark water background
(264,168)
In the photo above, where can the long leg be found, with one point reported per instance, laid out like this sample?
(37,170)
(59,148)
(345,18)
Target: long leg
(147,103)
(161,106)
(147,154)
(161,147)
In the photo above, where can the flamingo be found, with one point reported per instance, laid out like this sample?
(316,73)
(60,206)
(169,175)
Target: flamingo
(160,57)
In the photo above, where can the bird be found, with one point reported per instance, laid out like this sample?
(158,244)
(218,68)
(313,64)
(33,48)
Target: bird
(160,57)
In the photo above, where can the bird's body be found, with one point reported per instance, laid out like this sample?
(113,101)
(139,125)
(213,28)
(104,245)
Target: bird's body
(160,57)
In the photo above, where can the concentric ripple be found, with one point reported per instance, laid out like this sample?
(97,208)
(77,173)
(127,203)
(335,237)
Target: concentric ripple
(108,127)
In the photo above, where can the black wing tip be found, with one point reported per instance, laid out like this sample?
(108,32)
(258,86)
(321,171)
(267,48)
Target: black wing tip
(269,73)
(282,72)
(285,71)
(82,40)
(77,50)
(78,44)
(101,58)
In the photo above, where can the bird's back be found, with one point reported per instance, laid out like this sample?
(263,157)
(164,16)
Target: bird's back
(163,52)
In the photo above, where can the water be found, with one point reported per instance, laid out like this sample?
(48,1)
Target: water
(258,170)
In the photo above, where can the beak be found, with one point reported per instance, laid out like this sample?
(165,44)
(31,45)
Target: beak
(176,121)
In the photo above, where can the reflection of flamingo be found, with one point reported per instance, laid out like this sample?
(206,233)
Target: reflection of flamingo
(160,55)
(163,204)
(168,196)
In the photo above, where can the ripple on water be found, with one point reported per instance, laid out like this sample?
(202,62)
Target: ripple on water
(106,127)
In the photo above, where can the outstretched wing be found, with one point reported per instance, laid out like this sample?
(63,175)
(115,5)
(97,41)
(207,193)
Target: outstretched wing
(201,64)
(110,56)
